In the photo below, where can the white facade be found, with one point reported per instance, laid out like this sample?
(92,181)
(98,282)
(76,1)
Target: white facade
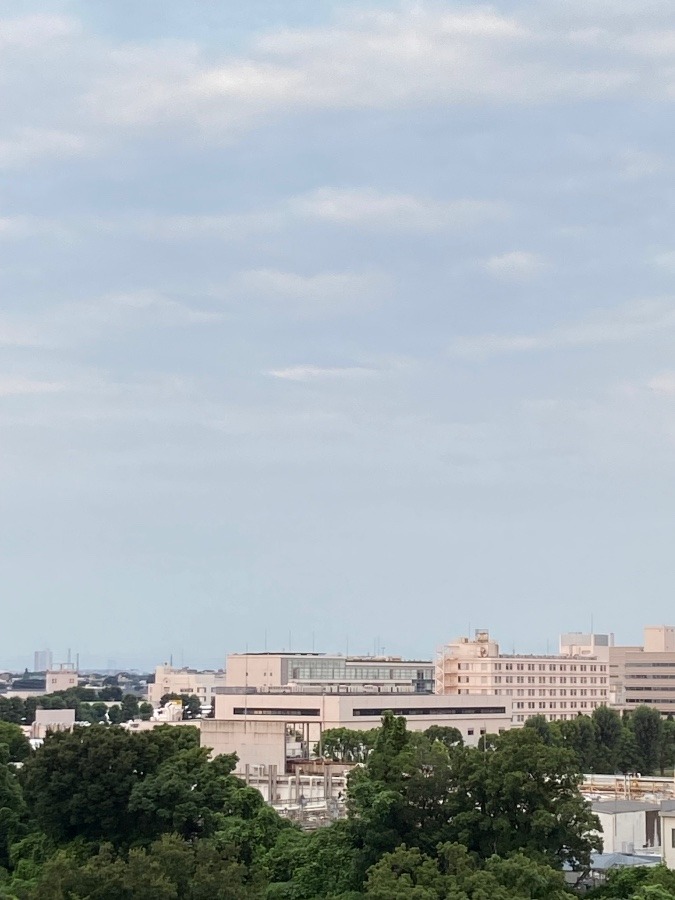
(628,826)
(556,687)
(667,814)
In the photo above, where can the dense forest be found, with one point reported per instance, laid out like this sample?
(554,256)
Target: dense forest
(102,814)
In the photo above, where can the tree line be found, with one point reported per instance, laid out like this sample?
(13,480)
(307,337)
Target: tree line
(103,814)
(602,743)
(608,743)
(91,706)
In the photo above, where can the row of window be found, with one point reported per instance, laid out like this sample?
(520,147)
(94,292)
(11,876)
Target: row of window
(583,704)
(532,667)
(437,711)
(551,716)
(411,711)
(563,692)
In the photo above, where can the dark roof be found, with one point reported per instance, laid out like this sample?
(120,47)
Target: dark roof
(619,806)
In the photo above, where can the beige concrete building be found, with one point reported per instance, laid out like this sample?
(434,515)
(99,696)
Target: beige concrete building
(645,675)
(309,714)
(340,674)
(47,720)
(259,743)
(184,682)
(557,687)
(61,679)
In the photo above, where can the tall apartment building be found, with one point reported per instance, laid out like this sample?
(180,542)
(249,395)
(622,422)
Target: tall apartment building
(42,660)
(332,674)
(184,682)
(557,687)
(645,675)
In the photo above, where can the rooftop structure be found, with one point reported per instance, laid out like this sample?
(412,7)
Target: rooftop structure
(334,674)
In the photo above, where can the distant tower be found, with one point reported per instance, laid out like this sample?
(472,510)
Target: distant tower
(42,660)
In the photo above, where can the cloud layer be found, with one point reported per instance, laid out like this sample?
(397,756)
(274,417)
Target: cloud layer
(330,306)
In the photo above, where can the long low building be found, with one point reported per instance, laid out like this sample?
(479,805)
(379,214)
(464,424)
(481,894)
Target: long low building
(260,726)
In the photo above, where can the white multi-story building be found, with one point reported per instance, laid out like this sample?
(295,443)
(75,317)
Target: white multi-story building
(185,683)
(556,687)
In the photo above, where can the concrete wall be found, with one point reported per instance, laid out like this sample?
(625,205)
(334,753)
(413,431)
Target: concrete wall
(253,669)
(255,743)
(313,713)
(52,720)
(668,837)
(60,680)
(621,829)
(659,639)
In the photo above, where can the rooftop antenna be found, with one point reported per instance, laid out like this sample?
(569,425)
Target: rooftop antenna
(246,690)
(312,642)
(265,640)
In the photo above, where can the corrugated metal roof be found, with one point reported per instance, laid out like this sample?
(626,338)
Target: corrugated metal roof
(601,862)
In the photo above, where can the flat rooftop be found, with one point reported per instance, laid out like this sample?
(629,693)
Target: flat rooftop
(360,659)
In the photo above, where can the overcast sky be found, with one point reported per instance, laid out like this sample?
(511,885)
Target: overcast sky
(349,324)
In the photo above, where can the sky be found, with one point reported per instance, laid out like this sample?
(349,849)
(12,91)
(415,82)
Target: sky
(346,326)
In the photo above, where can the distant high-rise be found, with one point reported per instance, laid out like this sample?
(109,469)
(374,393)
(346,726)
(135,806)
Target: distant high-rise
(42,660)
